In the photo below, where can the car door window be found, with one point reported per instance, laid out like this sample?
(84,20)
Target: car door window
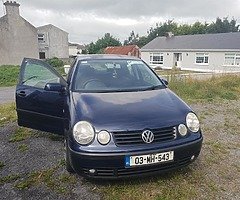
(38,75)
(141,72)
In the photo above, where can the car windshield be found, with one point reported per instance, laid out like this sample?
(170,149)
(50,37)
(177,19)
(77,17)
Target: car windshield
(114,76)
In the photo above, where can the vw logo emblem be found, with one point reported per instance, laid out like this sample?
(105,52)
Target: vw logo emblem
(147,136)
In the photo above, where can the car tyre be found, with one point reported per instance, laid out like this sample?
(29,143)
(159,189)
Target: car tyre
(67,159)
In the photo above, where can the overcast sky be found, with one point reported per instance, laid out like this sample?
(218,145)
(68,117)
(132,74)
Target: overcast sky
(88,20)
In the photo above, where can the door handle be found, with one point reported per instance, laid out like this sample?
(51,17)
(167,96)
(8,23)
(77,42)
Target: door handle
(22,94)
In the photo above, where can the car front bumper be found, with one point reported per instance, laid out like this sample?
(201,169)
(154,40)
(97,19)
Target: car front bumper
(112,165)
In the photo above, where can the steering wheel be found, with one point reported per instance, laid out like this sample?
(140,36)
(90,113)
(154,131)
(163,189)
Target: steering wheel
(93,84)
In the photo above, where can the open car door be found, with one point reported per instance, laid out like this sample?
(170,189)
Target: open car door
(41,97)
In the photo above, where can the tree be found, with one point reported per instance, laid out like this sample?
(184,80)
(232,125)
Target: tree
(219,26)
(84,51)
(198,28)
(102,43)
(162,29)
(223,26)
(132,39)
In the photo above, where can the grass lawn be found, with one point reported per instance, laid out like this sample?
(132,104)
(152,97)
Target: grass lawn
(7,114)
(8,75)
(162,72)
(224,87)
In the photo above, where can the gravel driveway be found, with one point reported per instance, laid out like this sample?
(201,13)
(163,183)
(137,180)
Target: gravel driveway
(42,155)
(7,94)
(33,168)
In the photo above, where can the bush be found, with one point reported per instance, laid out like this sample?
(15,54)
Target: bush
(57,64)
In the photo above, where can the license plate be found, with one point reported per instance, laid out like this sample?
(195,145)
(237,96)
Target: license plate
(149,159)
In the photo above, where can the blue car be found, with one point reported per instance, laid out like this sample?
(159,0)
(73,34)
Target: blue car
(118,118)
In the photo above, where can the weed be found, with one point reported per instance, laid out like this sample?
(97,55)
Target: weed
(37,177)
(1,165)
(7,113)
(51,136)
(218,147)
(23,147)
(62,162)
(20,135)
(54,137)
(49,177)
(224,87)
(10,178)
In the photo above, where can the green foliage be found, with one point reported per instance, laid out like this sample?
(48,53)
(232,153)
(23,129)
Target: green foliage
(20,135)
(57,64)
(9,178)
(84,51)
(219,26)
(9,75)
(50,178)
(1,165)
(7,113)
(99,46)
(225,87)
(136,39)
(23,147)
(223,26)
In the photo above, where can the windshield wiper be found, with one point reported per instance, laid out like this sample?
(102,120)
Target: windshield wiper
(124,89)
(32,77)
(154,87)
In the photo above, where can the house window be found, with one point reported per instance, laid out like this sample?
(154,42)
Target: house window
(156,58)
(41,37)
(232,59)
(202,58)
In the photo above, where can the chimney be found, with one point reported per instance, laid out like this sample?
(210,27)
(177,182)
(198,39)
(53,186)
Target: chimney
(169,34)
(12,7)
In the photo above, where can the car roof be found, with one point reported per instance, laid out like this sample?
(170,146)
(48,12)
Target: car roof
(105,56)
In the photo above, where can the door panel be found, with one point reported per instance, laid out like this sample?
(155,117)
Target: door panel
(36,107)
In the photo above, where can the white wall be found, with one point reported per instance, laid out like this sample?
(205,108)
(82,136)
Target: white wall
(74,51)
(18,39)
(167,59)
(56,44)
(216,61)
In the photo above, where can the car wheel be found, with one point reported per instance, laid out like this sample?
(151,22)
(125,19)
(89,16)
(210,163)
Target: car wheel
(67,160)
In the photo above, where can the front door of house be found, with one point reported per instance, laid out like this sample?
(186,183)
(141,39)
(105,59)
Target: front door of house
(177,60)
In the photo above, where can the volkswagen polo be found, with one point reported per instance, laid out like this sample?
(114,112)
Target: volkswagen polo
(117,116)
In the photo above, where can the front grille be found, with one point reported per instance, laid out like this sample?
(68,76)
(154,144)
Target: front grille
(135,137)
(123,172)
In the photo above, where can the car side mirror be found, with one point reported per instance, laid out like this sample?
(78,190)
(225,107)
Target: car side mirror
(165,81)
(55,87)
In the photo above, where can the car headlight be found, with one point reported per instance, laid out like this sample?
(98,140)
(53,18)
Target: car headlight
(192,122)
(182,129)
(103,137)
(83,132)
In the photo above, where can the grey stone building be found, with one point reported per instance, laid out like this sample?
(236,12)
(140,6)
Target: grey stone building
(53,42)
(18,38)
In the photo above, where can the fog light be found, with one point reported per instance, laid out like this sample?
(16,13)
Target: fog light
(92,171)
(103,137)
(192,158)
(182,129)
